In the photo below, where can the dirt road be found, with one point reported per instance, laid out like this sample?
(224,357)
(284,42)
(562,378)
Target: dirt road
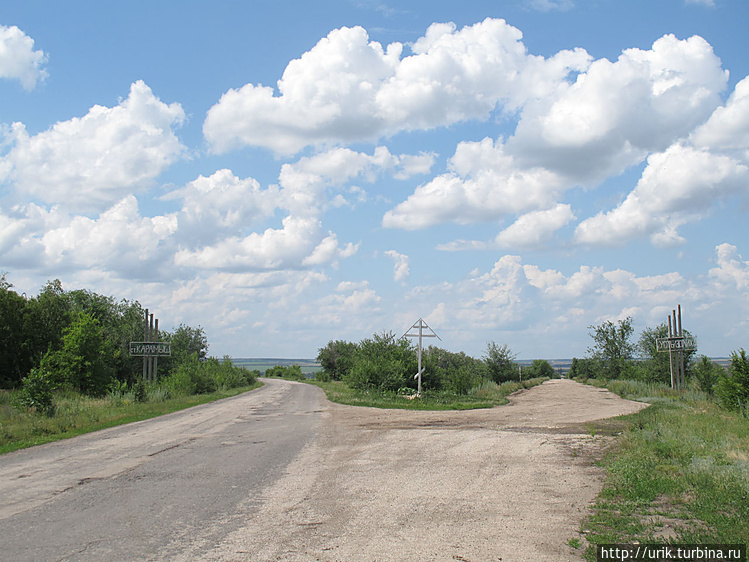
(511,484)
(280,474)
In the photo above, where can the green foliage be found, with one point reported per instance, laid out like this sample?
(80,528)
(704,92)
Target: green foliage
(196,376)
(290,372)
(337,359)
(681,460)
(540,368)
(453,372)
(733,387)
(36,393)
(81,364)
(584,369)
(707,374)
(14,360)
(500,363)
(384,363)
(655,365)
(613,349)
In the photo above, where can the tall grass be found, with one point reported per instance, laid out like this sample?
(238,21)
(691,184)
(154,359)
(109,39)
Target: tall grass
(679,473)
(486,395)
(75,414)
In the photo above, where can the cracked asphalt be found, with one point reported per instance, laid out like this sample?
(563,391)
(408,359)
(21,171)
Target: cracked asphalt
(281,474)
(144,490)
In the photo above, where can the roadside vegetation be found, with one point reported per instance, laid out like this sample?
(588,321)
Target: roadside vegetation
(380,372)
(679,471)
(65,367)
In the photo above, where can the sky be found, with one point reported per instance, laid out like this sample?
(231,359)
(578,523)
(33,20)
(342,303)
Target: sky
(288,173)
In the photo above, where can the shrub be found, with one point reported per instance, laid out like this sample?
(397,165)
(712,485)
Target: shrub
(291,372)
(384,363)
(337,358)
(707,374)
(36,393)
(733,387)
(461,380)
(500,363)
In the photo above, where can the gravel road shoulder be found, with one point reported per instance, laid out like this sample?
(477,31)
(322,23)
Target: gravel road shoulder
(511,483)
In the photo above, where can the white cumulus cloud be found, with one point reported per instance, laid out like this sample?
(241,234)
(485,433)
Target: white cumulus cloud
(19,60)
(348,88)
(401,267)
(89,163)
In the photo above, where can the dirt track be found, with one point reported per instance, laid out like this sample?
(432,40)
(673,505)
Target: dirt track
(512,483)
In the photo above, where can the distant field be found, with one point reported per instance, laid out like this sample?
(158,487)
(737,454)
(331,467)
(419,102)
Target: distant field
(309,366)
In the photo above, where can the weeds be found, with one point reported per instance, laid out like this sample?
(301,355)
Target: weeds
(679,473)
(76,414)
(486,395)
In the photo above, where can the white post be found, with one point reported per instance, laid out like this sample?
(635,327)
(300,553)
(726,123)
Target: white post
(420,325)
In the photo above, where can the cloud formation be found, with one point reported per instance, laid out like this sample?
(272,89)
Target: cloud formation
(348,88)
(18,59)
(90,162)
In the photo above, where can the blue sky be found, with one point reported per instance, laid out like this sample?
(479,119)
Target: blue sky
(287,173)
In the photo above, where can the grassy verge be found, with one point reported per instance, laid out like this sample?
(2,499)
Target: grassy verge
(487,395)
(76,415)
(678,474)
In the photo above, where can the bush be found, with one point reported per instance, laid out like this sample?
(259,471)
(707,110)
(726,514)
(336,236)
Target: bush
(36,393)
(384,363)
(500,363)
(707,374)
(733,387)
(291,372)
(337,359)
(190,377)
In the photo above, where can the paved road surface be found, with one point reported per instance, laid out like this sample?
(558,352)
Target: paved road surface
(142,491)
(280,474)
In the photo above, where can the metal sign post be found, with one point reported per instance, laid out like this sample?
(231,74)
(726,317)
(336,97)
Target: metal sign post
(151,348)
(420,324)
(676,344)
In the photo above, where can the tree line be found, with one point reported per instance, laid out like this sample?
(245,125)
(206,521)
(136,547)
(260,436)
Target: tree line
(614,355)
(387,363)
(79,340)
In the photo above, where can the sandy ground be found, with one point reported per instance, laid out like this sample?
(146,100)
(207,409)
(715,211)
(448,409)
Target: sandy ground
(512,483)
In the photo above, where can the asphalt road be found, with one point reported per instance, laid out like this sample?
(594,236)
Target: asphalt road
(145,490)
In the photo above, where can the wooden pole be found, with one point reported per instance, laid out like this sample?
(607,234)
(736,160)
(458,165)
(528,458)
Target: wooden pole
(682,373)
(150,338)
(156,358)
(145,338)
(671,353)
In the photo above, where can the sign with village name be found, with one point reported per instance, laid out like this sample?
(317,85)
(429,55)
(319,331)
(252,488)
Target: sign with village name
(685,343)
(150,349)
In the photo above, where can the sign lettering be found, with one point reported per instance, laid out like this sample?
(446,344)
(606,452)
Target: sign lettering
(686,343)
(150,349)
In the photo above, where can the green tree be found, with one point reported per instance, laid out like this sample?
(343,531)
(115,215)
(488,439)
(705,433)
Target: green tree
(655,365)
(541,368)
(585,368)
(81,363)
(337,358)
(707,374)
(733,387)
(456,372)
(500,363)
(383,362)
(48,314)
(186,341)
(613,348)
(15,359)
